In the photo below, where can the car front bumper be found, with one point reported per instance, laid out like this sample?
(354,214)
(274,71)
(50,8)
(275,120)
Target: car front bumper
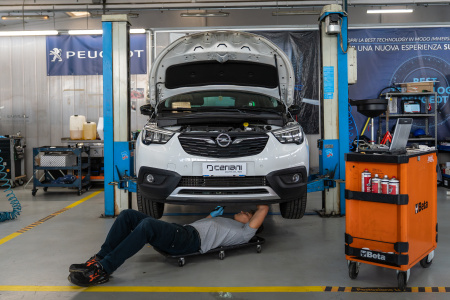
(171,187)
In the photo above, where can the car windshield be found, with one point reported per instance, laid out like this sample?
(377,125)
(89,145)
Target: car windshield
(206,100)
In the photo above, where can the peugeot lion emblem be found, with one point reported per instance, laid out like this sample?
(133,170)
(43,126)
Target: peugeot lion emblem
(223,140)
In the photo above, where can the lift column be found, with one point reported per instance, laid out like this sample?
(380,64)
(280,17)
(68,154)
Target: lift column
(334,106)
(116,111)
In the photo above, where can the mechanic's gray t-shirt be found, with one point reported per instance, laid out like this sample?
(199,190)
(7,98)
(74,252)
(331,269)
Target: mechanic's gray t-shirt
(215,232)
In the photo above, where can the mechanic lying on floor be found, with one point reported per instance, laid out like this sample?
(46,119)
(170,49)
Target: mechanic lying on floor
(132,230)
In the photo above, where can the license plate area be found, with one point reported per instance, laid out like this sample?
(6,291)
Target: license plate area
(224,169)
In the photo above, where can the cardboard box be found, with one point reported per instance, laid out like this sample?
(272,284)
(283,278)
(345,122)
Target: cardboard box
(417,87)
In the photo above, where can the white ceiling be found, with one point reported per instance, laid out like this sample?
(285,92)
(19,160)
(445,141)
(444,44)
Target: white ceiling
(56,9)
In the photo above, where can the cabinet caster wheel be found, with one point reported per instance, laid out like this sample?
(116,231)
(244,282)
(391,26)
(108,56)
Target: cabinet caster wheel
(33,193)
(221,255)
(427,260)
(181,262)
(20,182)
(79,193)
(258,248)
(353,269)
(45,189)
(401,278)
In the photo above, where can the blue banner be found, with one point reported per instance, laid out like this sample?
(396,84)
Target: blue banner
(82,55)
(388,56)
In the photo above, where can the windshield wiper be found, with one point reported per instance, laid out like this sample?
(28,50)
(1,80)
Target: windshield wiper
(263,109)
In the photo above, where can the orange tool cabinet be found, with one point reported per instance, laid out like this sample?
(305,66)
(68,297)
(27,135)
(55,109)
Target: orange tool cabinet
(391,231)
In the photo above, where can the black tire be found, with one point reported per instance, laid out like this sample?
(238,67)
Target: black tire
(294,209)
(401,278)
(353,270)
(152,208)
(424,262)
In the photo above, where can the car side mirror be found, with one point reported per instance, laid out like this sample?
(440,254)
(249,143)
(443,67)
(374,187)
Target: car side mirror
(294,109)
(146,109)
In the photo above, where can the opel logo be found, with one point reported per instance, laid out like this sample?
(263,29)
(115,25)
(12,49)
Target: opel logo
(223,140)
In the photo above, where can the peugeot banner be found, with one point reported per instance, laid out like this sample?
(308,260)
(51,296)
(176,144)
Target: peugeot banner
(82,55)
(388,56)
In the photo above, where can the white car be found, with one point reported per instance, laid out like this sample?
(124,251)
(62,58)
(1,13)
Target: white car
(221,127)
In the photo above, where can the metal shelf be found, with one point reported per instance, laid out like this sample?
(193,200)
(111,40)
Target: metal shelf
(426,116)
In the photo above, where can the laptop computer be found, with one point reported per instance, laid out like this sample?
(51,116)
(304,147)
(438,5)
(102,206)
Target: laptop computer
(399,140)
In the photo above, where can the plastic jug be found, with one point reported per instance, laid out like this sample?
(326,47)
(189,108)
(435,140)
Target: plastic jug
(100,128)
(76,127)
(89,131)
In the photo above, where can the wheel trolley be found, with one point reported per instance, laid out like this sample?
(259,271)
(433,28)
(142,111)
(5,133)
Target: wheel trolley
(254,241)
(391,231)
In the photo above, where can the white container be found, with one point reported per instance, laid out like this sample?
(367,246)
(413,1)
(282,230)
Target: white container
(100,128)
(76,127)
(89,131)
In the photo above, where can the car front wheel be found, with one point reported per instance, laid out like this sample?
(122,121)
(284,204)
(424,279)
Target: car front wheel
(152,208)
(294,209)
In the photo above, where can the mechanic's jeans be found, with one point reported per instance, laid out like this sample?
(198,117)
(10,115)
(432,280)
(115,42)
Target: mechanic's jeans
(132,230)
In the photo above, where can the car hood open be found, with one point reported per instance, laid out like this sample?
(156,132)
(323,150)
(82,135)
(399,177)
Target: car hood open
(222,60)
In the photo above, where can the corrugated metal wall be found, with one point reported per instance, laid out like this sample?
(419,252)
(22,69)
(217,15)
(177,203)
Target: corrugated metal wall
(39,106)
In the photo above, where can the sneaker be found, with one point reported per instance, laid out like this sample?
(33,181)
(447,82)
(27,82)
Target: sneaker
(86,265)
(91,276)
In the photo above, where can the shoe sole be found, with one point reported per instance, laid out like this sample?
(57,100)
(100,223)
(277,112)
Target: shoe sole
(77,270)
(87,285)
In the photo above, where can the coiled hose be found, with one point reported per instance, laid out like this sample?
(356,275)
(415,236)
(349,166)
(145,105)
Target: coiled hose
(17,208)
(351,121)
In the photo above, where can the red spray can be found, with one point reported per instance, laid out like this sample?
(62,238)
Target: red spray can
(366,181)
(394,186)
(385,185)
(376,184)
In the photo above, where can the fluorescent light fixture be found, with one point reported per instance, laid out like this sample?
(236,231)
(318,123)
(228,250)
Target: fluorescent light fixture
(389,11)
(294,12)
(28,17)
(80,32)
(137,30)
(28,33)
(205,14)
(78,14)
(99,31)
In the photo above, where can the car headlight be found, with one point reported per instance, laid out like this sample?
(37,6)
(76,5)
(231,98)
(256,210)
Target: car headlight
(289,135)
(156,135)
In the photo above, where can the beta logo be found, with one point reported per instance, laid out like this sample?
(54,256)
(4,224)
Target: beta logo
(370,254)
(421,206)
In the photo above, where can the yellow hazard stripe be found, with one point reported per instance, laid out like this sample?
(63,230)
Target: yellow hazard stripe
(31,226)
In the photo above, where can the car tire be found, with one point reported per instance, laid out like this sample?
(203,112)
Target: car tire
(294,209)
(152,208)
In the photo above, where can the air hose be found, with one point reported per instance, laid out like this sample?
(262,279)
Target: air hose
(4,183)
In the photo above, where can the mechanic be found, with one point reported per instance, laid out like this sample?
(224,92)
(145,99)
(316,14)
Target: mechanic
(132,230)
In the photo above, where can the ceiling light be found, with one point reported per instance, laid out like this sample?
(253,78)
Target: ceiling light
(21,17)
(294,12)
(99,31)
(26,33)
(138,30)
(78,14)
(85,31)
(389,11)
(205,14)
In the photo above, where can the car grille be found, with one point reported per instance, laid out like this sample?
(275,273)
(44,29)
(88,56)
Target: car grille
(199,181)
(215,192)
(204,144)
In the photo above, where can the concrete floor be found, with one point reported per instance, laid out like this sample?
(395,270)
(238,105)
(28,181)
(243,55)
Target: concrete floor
(299,257)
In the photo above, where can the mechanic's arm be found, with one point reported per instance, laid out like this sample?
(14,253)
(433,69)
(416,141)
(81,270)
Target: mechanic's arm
(259,216)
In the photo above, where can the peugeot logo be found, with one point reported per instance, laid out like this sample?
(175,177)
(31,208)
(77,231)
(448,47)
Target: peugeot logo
(223,140)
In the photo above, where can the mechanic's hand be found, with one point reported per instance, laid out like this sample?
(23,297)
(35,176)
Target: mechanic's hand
(218,211)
